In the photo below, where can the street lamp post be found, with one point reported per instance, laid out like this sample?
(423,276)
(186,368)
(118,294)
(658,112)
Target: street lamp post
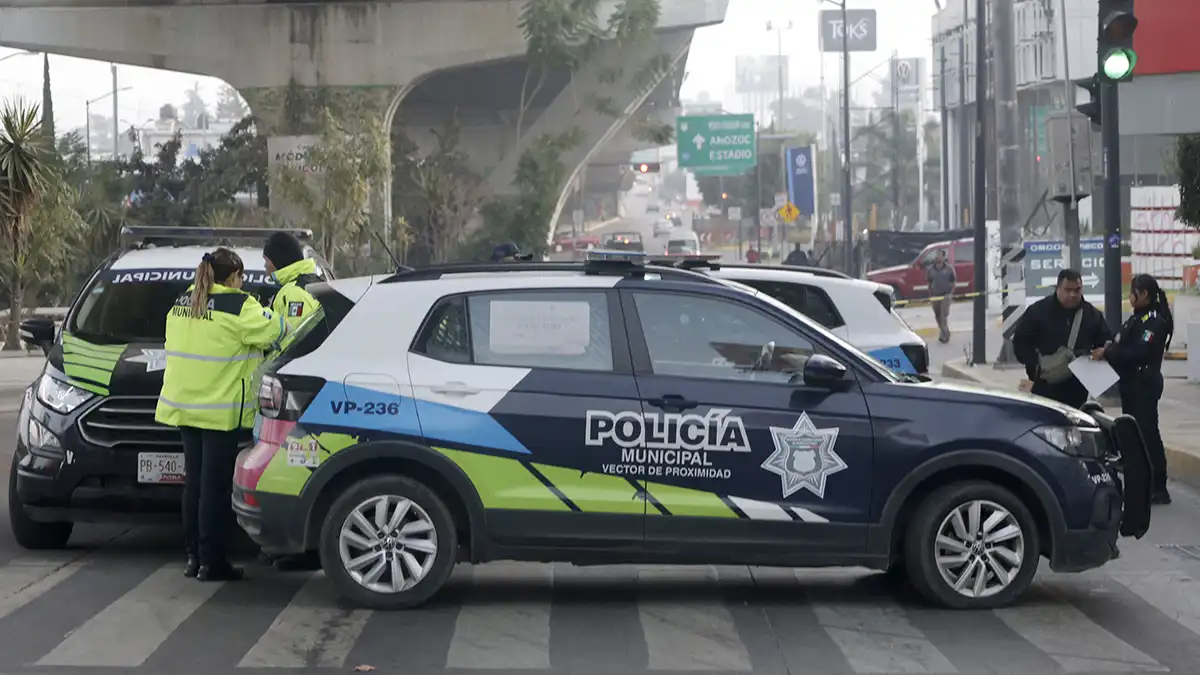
(780,118)
(847,187)
(88,123)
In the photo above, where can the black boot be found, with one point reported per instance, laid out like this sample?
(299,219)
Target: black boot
(192,567)
(1160,497)
(221,572)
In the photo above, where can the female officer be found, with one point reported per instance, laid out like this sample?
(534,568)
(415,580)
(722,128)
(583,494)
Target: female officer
(1137,354)
(216,334)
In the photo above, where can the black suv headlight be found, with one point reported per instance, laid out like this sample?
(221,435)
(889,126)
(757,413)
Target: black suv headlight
(60,396)
(1075,441)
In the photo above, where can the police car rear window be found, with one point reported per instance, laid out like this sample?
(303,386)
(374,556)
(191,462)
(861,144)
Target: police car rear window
(542,329)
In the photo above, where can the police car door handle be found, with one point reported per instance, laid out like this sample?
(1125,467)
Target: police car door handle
(453,389)
(672,403)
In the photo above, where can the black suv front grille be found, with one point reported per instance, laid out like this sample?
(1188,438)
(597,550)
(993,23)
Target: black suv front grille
(127,423)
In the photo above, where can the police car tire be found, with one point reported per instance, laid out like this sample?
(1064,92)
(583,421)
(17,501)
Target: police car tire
(443,521)
(29,533)
(922,530)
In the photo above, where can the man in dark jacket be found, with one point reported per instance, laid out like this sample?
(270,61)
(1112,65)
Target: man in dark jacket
(1046,327)
(797,257)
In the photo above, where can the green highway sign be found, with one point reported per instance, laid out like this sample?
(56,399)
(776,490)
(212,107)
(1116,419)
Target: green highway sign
(716,145)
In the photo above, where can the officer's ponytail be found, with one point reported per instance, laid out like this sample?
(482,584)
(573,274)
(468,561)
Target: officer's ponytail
(215,267)
(1159,302)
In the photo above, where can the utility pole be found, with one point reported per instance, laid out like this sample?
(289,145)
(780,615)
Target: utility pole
(979,328)
(897,207)
(847,168)
(964,130)
(116,115)
(945,152)
(1012,247)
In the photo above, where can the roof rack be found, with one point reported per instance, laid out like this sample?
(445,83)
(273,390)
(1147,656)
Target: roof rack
(815,271)
(602,263)
(141,236)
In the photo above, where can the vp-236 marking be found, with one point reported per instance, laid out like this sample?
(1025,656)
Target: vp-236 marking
(366,408)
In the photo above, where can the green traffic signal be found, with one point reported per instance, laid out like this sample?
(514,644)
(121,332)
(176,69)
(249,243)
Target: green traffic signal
(1118,64)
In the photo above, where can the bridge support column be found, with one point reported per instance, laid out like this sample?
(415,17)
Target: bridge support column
(593,107)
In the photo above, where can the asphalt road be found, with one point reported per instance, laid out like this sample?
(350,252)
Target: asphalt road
(117,603)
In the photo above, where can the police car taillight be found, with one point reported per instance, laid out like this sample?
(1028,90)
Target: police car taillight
(276,401)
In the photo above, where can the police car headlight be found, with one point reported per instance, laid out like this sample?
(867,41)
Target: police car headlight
(38,436)
(60,396)
(1075,441)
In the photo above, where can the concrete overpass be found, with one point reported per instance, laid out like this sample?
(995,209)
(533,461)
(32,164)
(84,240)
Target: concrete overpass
(426,60)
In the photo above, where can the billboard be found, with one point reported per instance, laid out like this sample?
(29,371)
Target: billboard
(860,28)
(759,74)
(908,75)
(1165,40)
(802,179)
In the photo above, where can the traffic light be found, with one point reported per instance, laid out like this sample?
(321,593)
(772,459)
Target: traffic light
(1091,109)
(1115,41)
(647,167)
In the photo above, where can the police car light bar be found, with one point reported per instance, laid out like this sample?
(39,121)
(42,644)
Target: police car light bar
(144,234)
(690,262)
(608,256)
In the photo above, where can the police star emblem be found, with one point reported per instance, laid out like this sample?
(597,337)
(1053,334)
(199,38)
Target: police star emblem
(804,457)
(155,359)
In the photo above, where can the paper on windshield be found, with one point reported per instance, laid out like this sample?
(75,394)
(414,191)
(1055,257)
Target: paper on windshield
(1095,376)
(539,327)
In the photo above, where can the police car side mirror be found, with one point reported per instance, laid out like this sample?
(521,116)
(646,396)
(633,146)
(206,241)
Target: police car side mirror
(38,332)
(821,370)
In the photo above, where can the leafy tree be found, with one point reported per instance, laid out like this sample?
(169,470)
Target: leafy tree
(193,106)
(889,156)
(47,103)
(333,195)
(1187,168)
(436,193)
(33,204)
(230,105)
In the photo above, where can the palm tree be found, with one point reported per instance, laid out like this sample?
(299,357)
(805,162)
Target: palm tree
(27,176)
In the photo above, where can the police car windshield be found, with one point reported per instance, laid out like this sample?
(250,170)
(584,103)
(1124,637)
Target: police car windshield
(123,306)
(864,358)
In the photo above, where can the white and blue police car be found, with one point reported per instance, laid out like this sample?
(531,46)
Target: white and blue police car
(612,411)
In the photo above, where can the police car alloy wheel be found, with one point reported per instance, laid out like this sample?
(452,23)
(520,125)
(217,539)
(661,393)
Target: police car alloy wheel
(971,545)
(29,533)
(388,542)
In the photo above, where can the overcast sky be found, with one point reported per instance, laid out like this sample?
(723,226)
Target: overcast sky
(903,26)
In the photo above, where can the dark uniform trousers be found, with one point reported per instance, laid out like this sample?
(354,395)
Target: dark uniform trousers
(209,458)
(1140,393)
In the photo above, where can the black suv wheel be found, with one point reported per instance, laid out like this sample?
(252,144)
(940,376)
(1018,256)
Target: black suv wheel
(971,545)
(388,542)
(29,533)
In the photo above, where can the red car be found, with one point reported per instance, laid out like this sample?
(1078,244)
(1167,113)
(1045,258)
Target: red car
(567,241)
(909,280)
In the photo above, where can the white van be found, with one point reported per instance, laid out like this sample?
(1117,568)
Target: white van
(683,244)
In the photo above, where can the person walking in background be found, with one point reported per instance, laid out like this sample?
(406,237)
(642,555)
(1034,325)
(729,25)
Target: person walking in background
(797,257)
(942,283)
(1137,355)
(215,338)
(1052,333)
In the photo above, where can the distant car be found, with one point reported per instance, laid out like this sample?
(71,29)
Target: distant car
(688,244)
(652,207)
(909,280)
(623,241)
(663,227)
(568,241)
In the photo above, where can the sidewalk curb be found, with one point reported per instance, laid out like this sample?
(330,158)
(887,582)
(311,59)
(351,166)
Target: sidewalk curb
(1182,465)
(932,331)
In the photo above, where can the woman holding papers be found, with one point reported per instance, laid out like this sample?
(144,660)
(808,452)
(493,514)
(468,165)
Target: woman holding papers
(1137,355)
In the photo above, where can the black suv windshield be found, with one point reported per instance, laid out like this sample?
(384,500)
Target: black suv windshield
(123,306)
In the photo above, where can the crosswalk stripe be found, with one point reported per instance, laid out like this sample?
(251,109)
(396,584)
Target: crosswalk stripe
(696,635)
(312,631)
(875,635)
(21,584)
(1161,589)
(128,631)
(1077,643)
(509,635)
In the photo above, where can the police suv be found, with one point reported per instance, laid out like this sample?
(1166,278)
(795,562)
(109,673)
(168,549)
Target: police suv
(88,448)
(615,412)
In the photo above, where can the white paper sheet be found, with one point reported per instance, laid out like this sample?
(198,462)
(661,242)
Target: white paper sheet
(1095,376)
